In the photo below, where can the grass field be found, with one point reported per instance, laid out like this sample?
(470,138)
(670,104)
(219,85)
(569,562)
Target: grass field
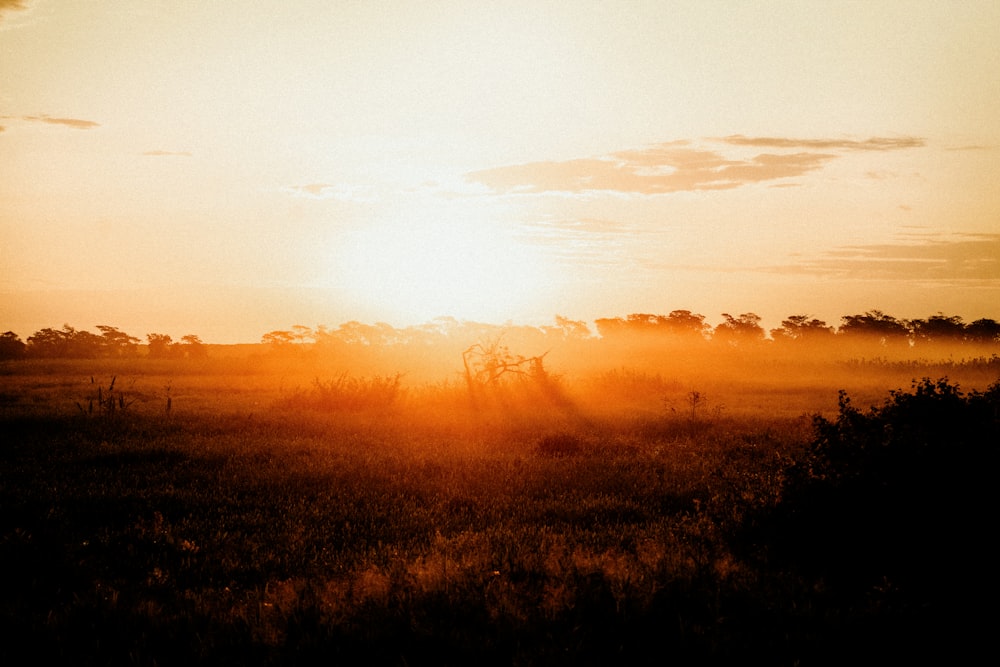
(256,511)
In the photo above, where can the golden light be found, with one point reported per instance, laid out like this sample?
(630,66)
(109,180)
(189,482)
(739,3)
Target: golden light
(440,259)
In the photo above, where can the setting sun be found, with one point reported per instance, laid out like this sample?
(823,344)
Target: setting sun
(433,261)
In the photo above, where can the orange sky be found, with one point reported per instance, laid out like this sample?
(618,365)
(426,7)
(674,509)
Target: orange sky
(190,167)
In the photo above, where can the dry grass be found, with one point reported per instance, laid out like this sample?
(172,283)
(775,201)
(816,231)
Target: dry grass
(268,519)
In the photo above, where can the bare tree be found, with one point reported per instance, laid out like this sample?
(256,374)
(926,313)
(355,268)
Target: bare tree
(489,363)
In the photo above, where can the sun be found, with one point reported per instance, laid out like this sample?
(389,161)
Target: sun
(443,260)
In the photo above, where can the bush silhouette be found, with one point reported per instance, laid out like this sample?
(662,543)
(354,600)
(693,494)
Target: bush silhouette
(899,493)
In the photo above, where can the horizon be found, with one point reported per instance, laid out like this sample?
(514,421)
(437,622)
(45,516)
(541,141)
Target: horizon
(836,326)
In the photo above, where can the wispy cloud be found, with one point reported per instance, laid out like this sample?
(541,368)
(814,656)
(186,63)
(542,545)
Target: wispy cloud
(970,147)
(961,258)
(17,14)
(167,153)
(11,5)
(592,242)
(661,169)
(75,123)
(873,144)
(336,191)
(679,167)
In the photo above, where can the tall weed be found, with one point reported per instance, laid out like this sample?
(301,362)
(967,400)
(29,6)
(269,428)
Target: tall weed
(347,393)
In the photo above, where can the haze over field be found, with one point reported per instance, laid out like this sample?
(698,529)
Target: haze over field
(200,166)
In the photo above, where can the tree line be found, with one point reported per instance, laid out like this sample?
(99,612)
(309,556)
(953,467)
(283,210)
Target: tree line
(746,327)
(873,326)
(679,324)
(110,342)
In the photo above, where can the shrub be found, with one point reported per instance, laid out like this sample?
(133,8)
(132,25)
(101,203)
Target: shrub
(346,393)
(896,492)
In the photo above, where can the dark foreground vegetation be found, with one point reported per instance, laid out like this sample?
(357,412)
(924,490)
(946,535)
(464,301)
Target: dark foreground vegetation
(196,519)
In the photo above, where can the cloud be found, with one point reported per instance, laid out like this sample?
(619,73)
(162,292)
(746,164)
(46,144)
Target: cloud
(873,144)
(167,153)
(965,258)
(15,14)
(75,123)
(338,191)
(679,167)
(970,147)
(11,5)
(594,242)
(660,169)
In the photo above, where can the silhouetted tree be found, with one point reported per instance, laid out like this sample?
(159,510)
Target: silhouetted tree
(48,342)
(278,340)
(937,329)
(739,330)
(677,323)
(67,343)
(489,364)
(159,345)
(643,322)
(608,327)
(117,343)
(570,329)
(11,346)
(303,334)
(983,331)
(358,333)
(193,347)
(803,329)
(685,323)
(875,326)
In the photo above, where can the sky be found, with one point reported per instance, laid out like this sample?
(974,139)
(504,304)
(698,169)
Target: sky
(228,169)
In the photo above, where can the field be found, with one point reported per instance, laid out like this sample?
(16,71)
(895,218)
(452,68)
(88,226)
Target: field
(249,509)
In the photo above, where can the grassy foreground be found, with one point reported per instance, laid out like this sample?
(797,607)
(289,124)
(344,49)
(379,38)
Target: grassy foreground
(197,516)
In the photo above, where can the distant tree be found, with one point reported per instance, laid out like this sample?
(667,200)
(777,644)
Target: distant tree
(643,322)
(570,329)
(278,340)
(739,330)
(803,329)
(983,331)
(48,343)
(677,323)
(86,345)
(608,327)
(685,323)
(357,333)
(874,325)
(303,334)
(160,345)
(66,343)
(11,346)
(193,347)
(937,329)
(117,343)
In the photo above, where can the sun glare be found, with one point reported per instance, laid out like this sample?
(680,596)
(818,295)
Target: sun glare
(440,261)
